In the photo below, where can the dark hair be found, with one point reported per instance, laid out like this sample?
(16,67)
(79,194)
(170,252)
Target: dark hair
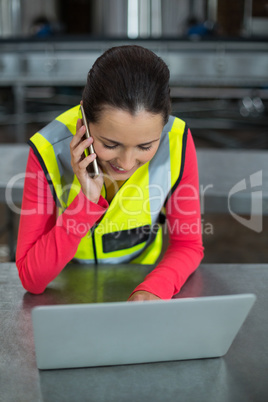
(130,78)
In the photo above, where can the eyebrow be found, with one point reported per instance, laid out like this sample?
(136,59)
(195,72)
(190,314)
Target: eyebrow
(119,143)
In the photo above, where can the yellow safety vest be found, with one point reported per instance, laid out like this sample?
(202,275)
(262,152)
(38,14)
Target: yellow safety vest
(129,231)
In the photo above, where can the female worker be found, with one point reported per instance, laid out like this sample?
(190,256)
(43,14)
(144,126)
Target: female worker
(147,162)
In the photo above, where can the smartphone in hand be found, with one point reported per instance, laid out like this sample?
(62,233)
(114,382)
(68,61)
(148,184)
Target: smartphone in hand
(92,168)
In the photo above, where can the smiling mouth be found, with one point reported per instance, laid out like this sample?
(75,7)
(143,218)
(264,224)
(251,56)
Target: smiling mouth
(118,169)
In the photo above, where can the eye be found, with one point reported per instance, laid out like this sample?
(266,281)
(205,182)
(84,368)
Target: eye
(116,145)
(145,148)
(110,147)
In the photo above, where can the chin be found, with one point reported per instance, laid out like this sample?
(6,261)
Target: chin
(120,176)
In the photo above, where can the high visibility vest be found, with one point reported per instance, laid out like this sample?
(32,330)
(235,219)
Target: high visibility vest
(129,231)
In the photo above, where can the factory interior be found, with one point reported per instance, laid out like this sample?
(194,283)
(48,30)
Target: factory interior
(106,294)
(216,51)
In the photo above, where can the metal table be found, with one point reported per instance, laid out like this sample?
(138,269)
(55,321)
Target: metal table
(241,375)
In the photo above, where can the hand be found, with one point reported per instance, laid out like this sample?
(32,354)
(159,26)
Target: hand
(142,295)
(90,187)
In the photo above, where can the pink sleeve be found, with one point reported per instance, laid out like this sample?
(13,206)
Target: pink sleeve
(185,250)
(46,243)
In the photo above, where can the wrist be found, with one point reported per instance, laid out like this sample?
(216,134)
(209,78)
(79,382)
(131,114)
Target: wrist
(91,198)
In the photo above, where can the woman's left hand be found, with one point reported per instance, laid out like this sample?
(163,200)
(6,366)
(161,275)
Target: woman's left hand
(142,295)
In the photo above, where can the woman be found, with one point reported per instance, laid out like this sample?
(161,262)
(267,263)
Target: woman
(147,161)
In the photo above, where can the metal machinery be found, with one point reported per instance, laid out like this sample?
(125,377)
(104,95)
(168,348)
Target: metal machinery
(206,76)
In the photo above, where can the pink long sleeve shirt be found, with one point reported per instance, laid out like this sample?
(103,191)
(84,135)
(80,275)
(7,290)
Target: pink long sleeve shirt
(46,243)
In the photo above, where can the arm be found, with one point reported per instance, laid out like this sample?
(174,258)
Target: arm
(185,249)
(47,243)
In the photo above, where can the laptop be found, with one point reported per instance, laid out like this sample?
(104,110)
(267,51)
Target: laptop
(104,334)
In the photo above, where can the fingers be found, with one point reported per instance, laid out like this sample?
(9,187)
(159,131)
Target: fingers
(86,161)
(142,295)
(78,144)
(78,152)
(79,124)
(80,131)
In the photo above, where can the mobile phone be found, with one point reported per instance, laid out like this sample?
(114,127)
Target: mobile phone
(92,168)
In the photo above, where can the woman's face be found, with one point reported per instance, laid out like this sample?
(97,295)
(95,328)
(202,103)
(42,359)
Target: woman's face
(124,142)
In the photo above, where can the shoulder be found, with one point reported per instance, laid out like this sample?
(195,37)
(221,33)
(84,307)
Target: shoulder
(69,118)
(61,128)
(175,125)
(174,135)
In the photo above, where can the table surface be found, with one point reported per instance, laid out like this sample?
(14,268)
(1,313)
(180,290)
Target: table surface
(219,171)
(241,375)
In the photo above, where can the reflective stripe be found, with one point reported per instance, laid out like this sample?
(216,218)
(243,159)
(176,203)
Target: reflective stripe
(55,132)
(112,260)
(177,142)
(159,173)
(119,260)
(81,261)
(60,136)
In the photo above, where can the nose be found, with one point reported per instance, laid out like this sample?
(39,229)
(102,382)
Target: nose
(127,159)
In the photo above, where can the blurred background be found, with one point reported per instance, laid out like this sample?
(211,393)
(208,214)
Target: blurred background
(217,54)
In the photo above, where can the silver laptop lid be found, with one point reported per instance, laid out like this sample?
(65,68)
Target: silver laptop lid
(84,335)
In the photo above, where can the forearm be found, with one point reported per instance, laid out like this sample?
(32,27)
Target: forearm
(40,260)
